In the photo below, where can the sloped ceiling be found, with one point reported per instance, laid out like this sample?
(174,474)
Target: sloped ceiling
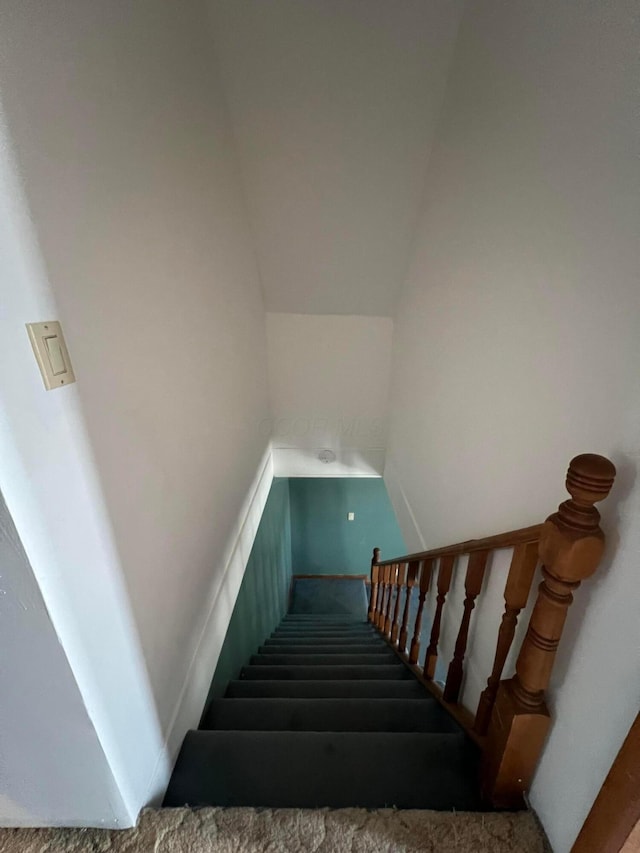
(334,104)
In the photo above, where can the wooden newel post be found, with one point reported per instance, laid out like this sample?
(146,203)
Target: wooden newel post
(375,575)
(570,549)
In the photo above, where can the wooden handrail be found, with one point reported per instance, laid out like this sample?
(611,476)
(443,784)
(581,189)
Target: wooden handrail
(512,719)
(488,543)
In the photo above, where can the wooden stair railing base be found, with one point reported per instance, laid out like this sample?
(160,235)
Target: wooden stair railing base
(512,749)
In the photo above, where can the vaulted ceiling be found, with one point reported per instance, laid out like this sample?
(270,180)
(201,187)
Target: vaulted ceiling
(334,105)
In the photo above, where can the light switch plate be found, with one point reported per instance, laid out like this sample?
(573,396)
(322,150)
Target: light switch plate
(351,516)
(51,353)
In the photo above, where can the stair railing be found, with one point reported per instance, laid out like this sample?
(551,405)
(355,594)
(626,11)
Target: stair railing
(512,720)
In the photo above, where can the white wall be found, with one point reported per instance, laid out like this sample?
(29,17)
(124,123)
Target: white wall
(125,155)
(334,105)
(53,767)
(517,345)
(329,388)
(48,479)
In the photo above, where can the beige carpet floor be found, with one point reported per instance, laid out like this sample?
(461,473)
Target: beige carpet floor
(213,830)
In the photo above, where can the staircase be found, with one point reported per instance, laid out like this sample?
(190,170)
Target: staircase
(326,714)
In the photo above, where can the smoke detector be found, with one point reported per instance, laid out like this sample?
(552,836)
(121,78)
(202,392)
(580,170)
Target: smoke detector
(327,456)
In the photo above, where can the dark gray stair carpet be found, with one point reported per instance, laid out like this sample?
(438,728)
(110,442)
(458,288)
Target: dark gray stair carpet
(378,689)
(359,619)
(313,635)
(326,623)
(314,627)
(326,714)
(360,616)
(329,715)
(324,619)
(332,636)
(326,672)
(327,627)
(304,639)
(319,639)
(356,648)
(320,660)
(322,626)
(324,769)
(324,629)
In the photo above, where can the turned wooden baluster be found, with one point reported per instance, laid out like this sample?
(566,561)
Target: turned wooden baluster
(516,594)
(375,574)
(412,575)
(425,579)
(379,594)
(393,574)
(387,599)
(400,582)
(445,572)
(472,585)
(570,548)
(384,589)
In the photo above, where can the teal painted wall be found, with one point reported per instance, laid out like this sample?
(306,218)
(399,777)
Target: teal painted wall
(324,542)
(264,592)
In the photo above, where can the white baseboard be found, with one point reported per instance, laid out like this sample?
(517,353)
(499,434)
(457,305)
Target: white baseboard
(197,681)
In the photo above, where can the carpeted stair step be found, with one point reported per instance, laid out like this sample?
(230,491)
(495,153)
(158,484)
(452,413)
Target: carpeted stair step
(312,689)
(302,635)
(326,623)
(305,624)
(325,629)
(326,715)
(342,618)
(321,638)
(323,618)
(335,659)
(337,649)
(326,672)
(327,626)
(326,642)
(324,769)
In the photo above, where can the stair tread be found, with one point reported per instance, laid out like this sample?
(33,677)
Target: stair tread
(315,632)
(330,672)
(324,618)
(324,638)
(366,769)
(327,688)
(325,629)
(291,648)
(335,659)
(344,638)
(328,714)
